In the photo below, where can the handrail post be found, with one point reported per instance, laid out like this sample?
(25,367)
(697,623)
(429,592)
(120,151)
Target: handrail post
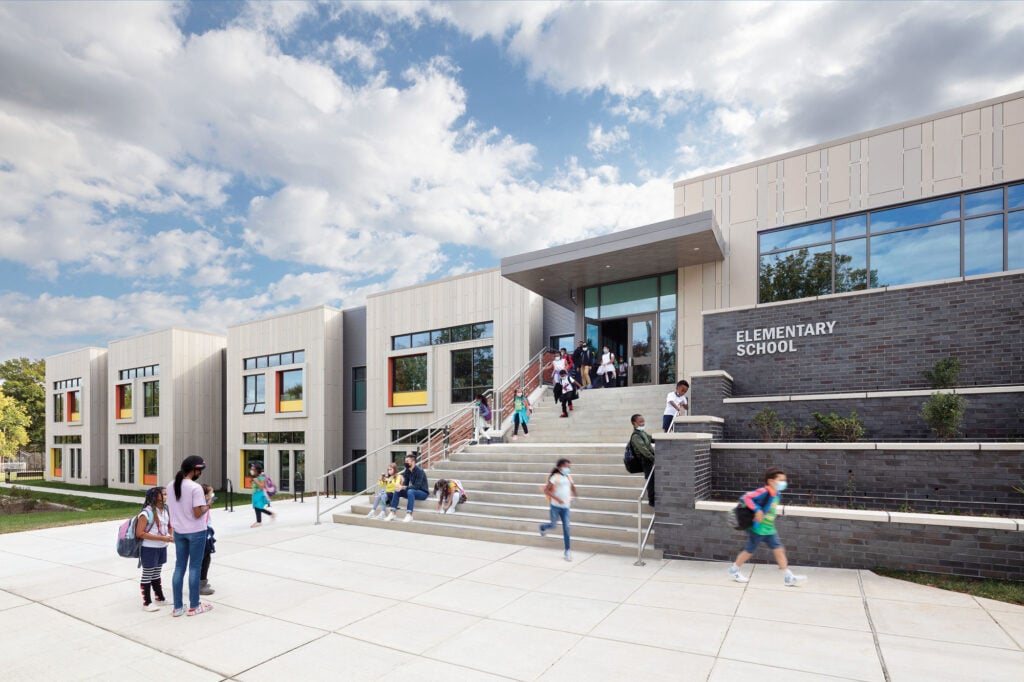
(641,540)
(317,520)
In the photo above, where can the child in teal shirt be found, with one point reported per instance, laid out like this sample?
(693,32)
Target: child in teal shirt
(764,502)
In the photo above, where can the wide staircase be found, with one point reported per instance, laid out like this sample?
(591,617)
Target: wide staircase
(504,480)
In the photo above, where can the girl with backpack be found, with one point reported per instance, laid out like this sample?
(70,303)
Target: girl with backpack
(260,498)
(481,418)
(154,529)
(560,490)
(521,411)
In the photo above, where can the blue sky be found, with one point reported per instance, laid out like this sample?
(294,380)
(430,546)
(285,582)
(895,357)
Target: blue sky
(203,164)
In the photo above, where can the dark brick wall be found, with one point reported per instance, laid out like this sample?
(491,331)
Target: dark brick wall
(882,340)
(989,416)
(966,482)
(686,466)
(714,428)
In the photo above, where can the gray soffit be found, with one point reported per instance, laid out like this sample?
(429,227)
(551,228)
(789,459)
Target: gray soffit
(556,272)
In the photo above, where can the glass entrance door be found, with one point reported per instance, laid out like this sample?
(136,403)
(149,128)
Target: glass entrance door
(642,350)
(291,470)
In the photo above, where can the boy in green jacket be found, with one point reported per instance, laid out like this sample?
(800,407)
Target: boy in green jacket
(643,447)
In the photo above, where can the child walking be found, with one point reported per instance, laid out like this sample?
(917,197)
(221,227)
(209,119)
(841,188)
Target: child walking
(204,584)
(521,414)
(385,489)
(568,393)
(560,490)
(154,528)
(260,499)
(764,502)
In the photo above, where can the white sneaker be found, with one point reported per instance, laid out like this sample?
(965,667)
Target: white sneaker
(408,518)
(515,438)
(151,607)
(370,514)
(735,574)
(568,556)
(390,516)
(794,580)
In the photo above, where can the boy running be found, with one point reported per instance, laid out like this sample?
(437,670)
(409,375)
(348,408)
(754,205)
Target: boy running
(764,502)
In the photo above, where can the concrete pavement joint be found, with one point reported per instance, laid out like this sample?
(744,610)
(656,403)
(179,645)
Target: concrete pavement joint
(874,630)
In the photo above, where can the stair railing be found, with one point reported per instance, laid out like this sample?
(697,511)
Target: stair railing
(450,433)
(641,537)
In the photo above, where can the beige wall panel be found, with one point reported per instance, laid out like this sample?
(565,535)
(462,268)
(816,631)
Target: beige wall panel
(691,303)
(795,179)
(884,198)
(1013,112)
(885,163)
(795,216)
(743,196)
(693,198)
(987,141)
(912,173)
(945,186)
(948,159)
(743,265)
(972,160)
(839,174)
(971,121)
(1013,151)
(927,158)
(813,198)
(912,137)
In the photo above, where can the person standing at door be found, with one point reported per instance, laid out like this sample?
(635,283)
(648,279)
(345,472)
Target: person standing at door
(623,369)
(607,368)
(585,362)
(675,404)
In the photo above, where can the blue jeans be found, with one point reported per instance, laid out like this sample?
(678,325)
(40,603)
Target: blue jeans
(188,549)
(559,513)
(409,493)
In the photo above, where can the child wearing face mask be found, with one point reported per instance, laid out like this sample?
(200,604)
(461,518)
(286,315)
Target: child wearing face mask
(560,490)
(764,502)
(643,447)
(521,411)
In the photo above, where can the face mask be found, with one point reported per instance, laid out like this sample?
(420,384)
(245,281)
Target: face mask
(565,471)
(780,486)
(640,428)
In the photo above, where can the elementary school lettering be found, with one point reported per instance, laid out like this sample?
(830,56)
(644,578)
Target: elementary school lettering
(777,339)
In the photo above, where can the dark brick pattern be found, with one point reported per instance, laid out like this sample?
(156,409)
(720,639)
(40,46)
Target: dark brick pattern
(714,428)
(989,416)
(883,340)
(683,532)
(966,482)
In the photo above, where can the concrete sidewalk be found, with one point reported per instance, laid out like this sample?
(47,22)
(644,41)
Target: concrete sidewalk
(332,602)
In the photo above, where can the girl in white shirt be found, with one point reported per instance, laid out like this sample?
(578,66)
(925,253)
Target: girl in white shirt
(154,529)
(560,490)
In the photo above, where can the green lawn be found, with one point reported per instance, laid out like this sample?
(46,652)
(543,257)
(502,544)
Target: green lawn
(86,510)
(1001,590)
(61,485)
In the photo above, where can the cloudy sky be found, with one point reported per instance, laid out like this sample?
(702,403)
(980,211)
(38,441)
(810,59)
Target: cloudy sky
(202,164)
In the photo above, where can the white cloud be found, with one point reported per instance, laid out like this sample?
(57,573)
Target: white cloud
(279,16)
(347,49)
(600,142)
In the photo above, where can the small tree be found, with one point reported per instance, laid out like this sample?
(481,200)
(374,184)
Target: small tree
(835,429)
(14,423)
(771,429)
(944,413)
(944,374)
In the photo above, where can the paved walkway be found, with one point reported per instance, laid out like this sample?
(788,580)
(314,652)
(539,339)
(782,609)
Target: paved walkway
(331,602)
(76,493)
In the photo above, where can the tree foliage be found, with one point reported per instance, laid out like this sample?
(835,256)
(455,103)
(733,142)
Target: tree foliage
(24,380)
(801,274)
(14,423)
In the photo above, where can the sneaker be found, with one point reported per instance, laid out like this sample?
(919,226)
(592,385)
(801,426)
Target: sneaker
(570,408)
(794,580)
(543,532)
(256,525)
(370,514)
(150,607)
(205,588)
(738,577)
(568,556)
(408,518)
(390,516)
(515,438)
(178,612)
(161,602)
(563,416)
(202,608)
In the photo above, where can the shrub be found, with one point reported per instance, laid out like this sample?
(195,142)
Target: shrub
(944,413)
(831,428)
(771,429)
(944,374)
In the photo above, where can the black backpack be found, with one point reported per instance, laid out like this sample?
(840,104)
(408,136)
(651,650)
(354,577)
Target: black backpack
(633,464)
(743,517)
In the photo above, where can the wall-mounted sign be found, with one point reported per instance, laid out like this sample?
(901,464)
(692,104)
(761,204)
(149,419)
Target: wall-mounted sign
(781,339)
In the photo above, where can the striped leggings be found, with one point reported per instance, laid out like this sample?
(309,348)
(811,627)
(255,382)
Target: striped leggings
(151,575)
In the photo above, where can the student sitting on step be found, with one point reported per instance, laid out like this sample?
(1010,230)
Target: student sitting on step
(449,495)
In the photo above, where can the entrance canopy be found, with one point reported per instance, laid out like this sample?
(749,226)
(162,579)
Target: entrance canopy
(555,273)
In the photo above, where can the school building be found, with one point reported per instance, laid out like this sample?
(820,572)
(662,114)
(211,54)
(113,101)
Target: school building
(935,204)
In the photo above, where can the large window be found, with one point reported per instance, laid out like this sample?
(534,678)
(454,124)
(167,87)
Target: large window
(149,470)
(123,398)
(359,389)
(408,380)
(566,341)
(74,406)
(255,389)
(971,233)
(465,332)
(472,373)
(58,407)
(289,391)
(151,399)
(56,462)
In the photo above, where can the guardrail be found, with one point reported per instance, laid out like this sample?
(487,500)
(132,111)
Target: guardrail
(10,476)
(641,537)
(229,496)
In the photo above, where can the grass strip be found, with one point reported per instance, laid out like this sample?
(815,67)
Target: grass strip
(1009,591)
(61,485)
(84,510)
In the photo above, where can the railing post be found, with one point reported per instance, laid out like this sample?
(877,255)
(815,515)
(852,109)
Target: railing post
(317,521)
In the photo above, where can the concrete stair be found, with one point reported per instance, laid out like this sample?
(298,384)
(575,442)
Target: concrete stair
(504,480)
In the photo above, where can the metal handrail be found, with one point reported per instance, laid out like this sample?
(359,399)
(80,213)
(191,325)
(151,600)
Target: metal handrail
(229,496)
(441,428)
(641,537)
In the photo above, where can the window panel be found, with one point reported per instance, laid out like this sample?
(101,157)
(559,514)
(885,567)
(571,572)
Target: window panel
(668,292)
(273,360)
(124,401)
(250,363)
(463,332)
(988,201)
(590,302)
(472,373)
(58,407)
(628,298)
(983,245)
(409,380)
(1015,196)
(74,407)
(358,388)
(795,274)
(151,398)
(420,339)
(483,330)
(149,471)
(851,266)
(400,342)
(289,390)
(921,255)
(299,356)
(796,236)
(853,226)
(915,214)
(255,394)
(667,347)
(1015,240)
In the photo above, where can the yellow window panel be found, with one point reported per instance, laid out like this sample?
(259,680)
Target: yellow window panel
(408,398)
(291,406)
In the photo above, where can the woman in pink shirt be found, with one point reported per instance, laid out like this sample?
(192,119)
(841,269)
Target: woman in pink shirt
(187,505)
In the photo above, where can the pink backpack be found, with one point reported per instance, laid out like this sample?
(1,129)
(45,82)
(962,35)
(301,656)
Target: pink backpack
(268,486)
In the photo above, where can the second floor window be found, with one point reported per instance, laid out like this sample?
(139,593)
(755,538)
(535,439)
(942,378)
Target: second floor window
(74,407)
(123,407)
(289,390)
(358,388)
(255,394)
(58,407)
(151,398)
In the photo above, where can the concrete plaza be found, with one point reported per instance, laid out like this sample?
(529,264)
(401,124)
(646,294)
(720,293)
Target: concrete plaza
(296,601)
